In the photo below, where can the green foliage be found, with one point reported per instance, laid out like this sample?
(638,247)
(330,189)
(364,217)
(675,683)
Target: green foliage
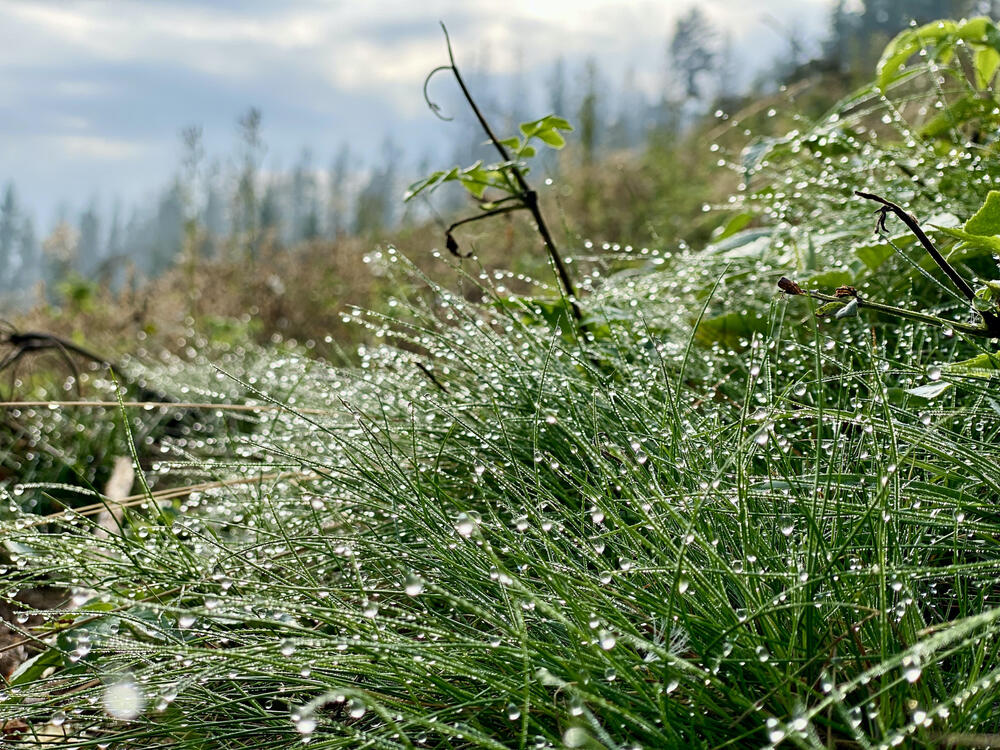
(477,178)
(939,41)
(77,294)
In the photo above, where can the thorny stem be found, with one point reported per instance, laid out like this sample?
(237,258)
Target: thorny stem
(528,196)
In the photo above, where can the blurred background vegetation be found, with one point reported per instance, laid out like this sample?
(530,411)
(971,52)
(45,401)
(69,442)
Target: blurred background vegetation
(229,249)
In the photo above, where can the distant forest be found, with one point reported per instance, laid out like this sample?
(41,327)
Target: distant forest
(233,208)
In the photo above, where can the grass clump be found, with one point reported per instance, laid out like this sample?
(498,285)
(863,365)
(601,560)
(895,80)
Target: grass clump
(693,521)
(527,551)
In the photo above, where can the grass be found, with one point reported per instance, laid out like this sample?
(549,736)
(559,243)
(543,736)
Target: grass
(713,523)
(548,553)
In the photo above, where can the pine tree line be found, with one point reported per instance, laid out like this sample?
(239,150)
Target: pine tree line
(236,209)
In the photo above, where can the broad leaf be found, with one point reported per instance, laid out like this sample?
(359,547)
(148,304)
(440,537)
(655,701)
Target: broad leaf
(957,114)
(986,221)
(828,279)
(730,328)
(930,390)
(546,130)
(970,241)
(906,44)
(734,225)
(987,364)
(985,62)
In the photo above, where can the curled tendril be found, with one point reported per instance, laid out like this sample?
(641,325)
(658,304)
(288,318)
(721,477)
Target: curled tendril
(452,244)
(880,228)
(432,105)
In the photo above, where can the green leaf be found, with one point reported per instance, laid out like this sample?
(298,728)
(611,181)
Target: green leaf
(907,43)
(551,138)
(976,29)
(734,225)
(559,123)
(513,143)
(753,155)
(956,114)
(546,129)
(729,328)
(874,255)
(986,364)
(986,221)
(420,185)
(972,245)
(475,184)
(986,61)
(747,242)
(829,308)
(32,669)
(430,183)
(930,390)
(827,280)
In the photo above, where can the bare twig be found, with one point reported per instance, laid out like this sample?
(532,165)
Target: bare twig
(452,244)
(22,343)
(790,287)
(990,326)
(991,321)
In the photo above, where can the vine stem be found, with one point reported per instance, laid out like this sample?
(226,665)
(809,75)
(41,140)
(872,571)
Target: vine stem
(528,196)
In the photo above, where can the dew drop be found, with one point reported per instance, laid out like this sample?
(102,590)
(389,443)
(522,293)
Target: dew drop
(123,700)
(356,708)
(912,673)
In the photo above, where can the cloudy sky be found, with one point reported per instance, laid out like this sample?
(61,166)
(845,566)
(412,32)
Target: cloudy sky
(94,93)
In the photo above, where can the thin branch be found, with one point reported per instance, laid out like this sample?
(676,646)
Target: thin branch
(528,196)
(991,321)
(486,215)
(913,226)
(33,340)
(790,287)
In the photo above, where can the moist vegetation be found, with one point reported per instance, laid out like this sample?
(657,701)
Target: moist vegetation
(698,515)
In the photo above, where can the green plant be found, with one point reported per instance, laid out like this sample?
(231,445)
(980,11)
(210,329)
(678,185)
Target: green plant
(507,177)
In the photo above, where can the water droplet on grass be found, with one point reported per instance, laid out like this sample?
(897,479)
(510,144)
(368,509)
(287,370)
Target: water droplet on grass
(123,700)
(606,639)
(356,708)
(413,586)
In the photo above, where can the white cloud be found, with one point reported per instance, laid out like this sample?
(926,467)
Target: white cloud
(95,147)
(90,81)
